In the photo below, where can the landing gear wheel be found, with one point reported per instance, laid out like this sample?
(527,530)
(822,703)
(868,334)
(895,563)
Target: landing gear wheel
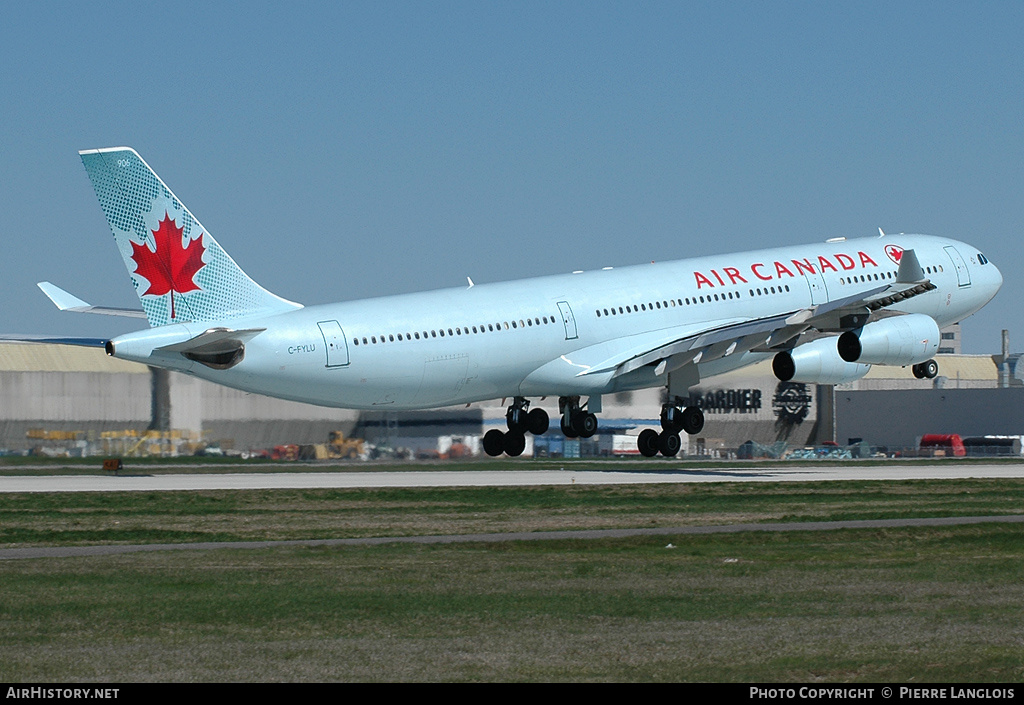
(537,422)
(567,430)
(693,420)
(516,419)
(671,418)
(584,423)
(515,444)
(669,443)
(647,443)
(929,369)
(494,442)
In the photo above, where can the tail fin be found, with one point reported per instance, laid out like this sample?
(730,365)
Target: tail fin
(179,271)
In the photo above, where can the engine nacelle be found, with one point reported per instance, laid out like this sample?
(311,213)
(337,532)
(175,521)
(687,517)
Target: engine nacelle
(900,340)
(817,362)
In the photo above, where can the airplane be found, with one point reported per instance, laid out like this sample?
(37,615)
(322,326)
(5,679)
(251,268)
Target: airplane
(824,313)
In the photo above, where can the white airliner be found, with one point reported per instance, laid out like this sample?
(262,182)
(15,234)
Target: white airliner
(825,312)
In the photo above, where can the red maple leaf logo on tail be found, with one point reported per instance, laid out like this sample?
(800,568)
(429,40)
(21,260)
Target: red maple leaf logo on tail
(171,268)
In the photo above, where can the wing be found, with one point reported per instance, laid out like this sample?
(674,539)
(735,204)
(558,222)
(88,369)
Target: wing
(854,311)
(717,339)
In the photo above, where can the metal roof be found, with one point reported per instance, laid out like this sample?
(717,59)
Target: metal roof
(42,357)
(981,367)
(973,367)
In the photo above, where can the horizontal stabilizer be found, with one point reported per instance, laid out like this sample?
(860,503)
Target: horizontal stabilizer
(69,302)
(54,340)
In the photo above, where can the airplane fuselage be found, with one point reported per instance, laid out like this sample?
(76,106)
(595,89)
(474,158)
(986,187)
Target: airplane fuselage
(552,336)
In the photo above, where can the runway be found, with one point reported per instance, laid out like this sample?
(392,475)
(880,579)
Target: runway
(334,479)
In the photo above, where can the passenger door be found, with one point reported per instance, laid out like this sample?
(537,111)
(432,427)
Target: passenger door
(963,276)
(335,343)
(568,320)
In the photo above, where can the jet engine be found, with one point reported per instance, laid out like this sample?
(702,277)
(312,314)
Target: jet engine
(817,362)
(900,340)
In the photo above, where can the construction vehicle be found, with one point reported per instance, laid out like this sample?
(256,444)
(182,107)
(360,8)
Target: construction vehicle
(288,451)
(338,447)
(342,447)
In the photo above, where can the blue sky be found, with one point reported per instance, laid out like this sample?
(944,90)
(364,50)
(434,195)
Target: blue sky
(348,149)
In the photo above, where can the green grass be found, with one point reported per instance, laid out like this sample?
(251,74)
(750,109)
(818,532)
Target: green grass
(893,605)
(938,604)
(28,519)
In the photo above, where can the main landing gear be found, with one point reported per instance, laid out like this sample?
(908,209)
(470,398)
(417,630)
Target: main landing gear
(576,423)
(674,419)
(520,420)
(928,369)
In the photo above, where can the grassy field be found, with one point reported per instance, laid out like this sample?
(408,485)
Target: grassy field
(921,604)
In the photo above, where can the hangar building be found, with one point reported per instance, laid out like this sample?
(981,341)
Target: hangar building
(69,392)
(52,391)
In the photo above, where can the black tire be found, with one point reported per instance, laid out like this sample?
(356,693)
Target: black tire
(537,422)
(669,443)
(671,419)
(930,369)
(516,419)
(585,424)
(568,430)
(918,372)
(647,443)
(515,444)
(494,442)
(693,420)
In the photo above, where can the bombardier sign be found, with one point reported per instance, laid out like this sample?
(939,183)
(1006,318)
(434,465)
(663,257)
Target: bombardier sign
(727,401)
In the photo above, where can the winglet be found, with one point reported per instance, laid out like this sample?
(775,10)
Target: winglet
(910,268)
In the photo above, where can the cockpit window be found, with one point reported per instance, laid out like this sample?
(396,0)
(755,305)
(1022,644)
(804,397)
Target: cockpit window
(982,259)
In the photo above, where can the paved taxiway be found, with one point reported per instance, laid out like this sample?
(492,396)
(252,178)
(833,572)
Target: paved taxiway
(506,478)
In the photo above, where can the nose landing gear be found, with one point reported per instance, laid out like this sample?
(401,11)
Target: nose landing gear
(928,369)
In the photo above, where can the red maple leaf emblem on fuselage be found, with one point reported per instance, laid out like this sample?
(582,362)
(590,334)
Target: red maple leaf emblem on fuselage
(172,267)
(895,253)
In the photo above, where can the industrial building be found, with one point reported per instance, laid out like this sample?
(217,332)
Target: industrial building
(66,396)
(75,399)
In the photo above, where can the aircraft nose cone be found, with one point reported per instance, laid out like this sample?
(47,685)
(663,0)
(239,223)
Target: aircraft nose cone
(995,279)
